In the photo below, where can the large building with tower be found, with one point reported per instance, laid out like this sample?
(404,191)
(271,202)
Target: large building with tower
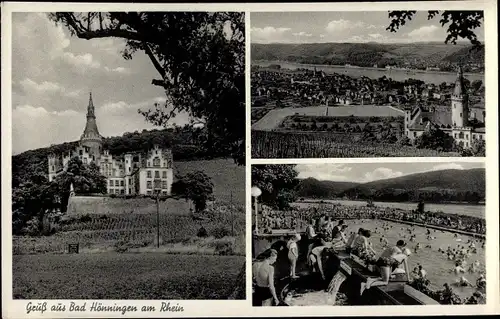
(127,174)
(456,120)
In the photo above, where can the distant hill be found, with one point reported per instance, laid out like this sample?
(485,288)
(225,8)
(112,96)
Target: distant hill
(436,186)
(365,54)
(313,188)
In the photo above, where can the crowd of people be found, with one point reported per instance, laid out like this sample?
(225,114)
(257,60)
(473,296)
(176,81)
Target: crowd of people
(295,218)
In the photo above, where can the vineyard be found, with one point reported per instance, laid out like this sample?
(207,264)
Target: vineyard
(324,145)
(110,229)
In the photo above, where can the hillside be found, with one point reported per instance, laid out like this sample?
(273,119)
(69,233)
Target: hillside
(444,185)
(366,54)
(435,186)
(313,188)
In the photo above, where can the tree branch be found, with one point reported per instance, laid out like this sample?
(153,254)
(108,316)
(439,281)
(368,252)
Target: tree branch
(153,59)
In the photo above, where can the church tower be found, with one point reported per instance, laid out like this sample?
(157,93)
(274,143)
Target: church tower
(460,102)
(91,137)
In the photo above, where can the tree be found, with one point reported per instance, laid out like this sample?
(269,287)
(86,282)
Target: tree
(199,57)
(85,178)
(277,183)
(461,24)
(435,139)
(30,202)
(195,186)
(476,85)
(421,207)
(477,148)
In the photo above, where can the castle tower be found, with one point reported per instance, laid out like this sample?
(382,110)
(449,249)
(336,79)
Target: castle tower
(91,137)
(460,102)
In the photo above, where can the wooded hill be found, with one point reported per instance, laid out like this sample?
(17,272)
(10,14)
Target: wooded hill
(368,54)
(450,185)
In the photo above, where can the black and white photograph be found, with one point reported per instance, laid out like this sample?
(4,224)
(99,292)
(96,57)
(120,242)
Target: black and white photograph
(369,234)
(128,155)
(367,84)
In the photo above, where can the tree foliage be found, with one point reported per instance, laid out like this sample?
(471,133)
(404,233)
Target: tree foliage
(460,24)
(195,186)
(277,183)
(435,139)
(199,57)
(33,199)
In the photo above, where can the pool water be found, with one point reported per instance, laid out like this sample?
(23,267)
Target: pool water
(438,266)
(316,298)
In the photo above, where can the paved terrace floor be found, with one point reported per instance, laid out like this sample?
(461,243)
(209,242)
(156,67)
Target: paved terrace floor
(272,119)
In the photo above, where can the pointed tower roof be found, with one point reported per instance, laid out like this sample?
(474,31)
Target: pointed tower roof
(91,132)
(459,89)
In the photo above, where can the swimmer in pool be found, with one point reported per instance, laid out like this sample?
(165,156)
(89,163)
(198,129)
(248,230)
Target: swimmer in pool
(458,269)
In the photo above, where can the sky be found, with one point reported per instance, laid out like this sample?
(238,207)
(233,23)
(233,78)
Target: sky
(362,26)
(368,172)
(53,73)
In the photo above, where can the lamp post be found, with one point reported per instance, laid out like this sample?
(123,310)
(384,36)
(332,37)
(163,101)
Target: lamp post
(256,192)
(157,188)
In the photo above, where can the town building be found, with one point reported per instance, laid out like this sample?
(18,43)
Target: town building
(128,174)
(455,120)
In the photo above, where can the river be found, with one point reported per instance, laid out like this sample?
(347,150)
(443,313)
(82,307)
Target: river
(435,77)
(461,209)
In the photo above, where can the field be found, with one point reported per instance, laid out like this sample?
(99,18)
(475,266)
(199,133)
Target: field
(322,145)
(141,276)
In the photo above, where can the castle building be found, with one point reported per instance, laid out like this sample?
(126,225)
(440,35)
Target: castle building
(453,119)
(127,174)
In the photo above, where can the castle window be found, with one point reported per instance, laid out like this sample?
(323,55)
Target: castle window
(53,168)
(129,169)
(110,182)
(164,184)
(467,144)
(414,134)
(480,137)
(157,174)
(81,152)
(467,136)
(455,135)
(121,183)
(130,181)
(156,162)
(149,174)
(117,183)
(164,174)
(149,185)
(460,114)
(85,160)
(148,192)
(461,135)
(149,163)
(122,191)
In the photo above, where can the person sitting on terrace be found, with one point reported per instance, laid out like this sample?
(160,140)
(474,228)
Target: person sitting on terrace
(361,246)
(263,277)
(390,261)
(350,242)
(339,239)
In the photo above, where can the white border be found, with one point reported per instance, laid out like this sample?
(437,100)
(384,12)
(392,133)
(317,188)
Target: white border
(202,308)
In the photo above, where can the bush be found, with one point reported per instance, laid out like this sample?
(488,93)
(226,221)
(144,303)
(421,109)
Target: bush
(112,196)
(85,218)
(220,232)
(202,232)
(224,248)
